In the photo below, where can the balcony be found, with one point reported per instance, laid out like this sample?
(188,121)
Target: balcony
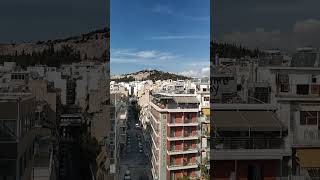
(185,150)
(184,165)
(307,138)
(248,143)
(186,122)
(185,136)
(248,148)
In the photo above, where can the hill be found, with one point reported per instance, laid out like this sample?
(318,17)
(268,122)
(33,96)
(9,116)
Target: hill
(89,46)
(226,50)
(153,75)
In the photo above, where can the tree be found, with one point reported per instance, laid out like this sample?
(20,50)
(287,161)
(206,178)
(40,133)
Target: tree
(204,172)
(184,178)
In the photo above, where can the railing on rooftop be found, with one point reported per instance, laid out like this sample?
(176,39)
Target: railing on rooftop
(248,143)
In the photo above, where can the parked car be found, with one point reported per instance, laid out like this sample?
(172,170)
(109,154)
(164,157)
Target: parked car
(127,175)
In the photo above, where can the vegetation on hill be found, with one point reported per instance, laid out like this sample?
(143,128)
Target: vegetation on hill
(49,56)
(225,50)
(124,79)
(154,75)
(160,75)
(82,38)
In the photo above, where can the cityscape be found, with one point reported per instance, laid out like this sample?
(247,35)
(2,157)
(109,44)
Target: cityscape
(160,90)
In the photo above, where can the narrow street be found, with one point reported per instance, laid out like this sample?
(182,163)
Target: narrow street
(131,159)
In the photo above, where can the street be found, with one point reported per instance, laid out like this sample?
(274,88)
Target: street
(133,160)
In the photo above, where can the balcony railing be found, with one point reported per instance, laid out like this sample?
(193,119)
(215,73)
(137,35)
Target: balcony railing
(185,135)
(183,165)
(307,137)
(173,105)
(185,122)
(248,143)
(185,149)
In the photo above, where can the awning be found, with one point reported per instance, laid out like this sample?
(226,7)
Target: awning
(186,99)
(246,120)
(309,158)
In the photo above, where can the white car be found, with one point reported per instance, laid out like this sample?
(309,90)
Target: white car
(140,150)
(127,175)
(137,125)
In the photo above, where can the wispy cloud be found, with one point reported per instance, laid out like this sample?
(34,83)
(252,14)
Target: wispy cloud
(188,66)
(143,56)
(196,69)
(164,9)
(182,37)
(159,8)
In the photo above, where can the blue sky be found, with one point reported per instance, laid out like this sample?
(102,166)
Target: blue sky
(166,35)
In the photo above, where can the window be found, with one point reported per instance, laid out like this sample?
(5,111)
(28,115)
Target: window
(172,175)
(314,80)
(173,132)
(308,118)
(239,87)
(173,118)
(302,89)
(206,98)
(315,89)
(173,146)
(284,87)
(189,173)
(188,131)
(283,81)
(172,161)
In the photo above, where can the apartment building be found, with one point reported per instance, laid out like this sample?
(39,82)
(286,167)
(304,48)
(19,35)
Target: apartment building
(249,141)
(174,119)
(297,93)
(17,135)
(203,95)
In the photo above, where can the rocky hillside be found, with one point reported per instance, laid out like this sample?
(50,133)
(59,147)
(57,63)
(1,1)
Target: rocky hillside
(92,45)
(153,75)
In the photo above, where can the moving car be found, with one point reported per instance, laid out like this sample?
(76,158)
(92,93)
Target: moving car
(137,125)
